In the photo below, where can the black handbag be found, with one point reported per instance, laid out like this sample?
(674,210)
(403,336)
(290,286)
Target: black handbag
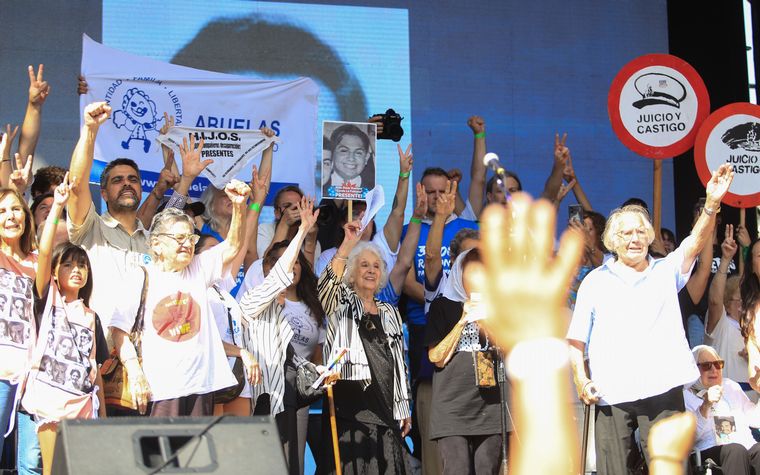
(227,395)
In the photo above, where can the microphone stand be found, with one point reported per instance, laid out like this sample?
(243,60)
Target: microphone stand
(503,400)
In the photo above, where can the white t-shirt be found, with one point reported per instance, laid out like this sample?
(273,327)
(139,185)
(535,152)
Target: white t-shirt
(727,340)
(219,311)
(181,348)
(307,333)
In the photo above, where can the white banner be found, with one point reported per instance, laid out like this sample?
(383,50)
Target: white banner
(231,150)
(140,90)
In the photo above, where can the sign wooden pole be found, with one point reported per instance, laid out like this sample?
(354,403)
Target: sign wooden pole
(742,223)
(334,427)
(350,210)
(657,200)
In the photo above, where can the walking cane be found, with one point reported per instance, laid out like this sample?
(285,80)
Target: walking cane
(584,443)
(334,429)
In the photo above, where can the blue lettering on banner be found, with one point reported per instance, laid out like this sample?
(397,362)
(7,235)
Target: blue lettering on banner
(211,121)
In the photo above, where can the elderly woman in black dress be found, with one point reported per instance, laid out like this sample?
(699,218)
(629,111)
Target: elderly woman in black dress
(372,399)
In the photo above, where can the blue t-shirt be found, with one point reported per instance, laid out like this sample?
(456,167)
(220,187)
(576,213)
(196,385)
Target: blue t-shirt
(206,229)
(416,311)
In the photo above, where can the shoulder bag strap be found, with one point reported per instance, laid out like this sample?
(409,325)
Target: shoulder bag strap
(137,328)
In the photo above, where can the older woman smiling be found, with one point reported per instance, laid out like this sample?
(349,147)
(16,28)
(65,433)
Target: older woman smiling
(372,399)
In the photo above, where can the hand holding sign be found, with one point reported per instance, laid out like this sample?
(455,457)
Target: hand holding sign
(192,166)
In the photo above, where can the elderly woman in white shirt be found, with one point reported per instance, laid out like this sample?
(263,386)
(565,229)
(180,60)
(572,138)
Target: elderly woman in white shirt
(724,416)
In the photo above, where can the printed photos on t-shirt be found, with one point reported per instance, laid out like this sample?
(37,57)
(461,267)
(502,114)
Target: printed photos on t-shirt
(725,429)
(15,309)
(65,363)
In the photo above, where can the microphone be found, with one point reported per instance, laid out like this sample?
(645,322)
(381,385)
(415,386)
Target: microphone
(491,160)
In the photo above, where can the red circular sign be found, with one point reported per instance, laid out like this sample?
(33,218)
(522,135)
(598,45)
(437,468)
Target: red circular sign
(731,135)
(656,104)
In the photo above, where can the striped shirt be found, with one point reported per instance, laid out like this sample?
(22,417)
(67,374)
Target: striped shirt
(344,309)
(266,332)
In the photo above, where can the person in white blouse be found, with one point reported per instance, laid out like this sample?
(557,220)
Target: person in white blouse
(724,416)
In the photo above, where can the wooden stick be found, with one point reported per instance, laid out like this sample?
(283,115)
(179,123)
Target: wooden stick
(333,422)
(657,199)
(742,223)
(350,210)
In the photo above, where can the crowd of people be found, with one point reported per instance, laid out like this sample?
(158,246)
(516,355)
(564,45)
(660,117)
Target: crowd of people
(452,331)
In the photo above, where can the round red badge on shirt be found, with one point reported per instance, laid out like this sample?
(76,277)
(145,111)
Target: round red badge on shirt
(656,104)
(731,135)
(177,317)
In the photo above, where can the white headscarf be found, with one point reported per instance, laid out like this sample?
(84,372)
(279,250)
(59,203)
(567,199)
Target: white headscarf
(454,287)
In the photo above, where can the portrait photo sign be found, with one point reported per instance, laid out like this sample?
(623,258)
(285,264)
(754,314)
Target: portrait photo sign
(731,135)
(656,104)
(348,159)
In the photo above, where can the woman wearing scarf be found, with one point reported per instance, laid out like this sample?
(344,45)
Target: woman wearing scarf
(466,413)
(724,415)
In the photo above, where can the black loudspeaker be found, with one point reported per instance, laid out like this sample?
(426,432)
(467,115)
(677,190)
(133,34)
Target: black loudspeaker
(142,445)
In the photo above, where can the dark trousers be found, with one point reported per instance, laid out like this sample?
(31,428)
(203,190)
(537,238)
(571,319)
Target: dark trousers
(473,454)
(734,459)
(192,405)
(616,449)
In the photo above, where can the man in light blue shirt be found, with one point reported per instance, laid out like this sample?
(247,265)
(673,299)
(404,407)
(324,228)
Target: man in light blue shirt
(627,317)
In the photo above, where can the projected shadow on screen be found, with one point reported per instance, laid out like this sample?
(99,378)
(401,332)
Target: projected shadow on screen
(274,49)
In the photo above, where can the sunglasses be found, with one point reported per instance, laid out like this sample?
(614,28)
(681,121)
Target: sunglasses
(711,364)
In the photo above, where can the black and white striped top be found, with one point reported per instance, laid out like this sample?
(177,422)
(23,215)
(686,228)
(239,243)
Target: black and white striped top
(344,309)
(266,332)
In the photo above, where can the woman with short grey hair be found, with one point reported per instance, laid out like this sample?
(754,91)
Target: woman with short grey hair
(372,399)
(183,360)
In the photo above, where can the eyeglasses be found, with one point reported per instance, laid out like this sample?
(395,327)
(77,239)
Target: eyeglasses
(711,364)
(628,235)
(182,238)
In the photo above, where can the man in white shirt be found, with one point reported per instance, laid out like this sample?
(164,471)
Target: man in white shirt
(116,241)
(627,317)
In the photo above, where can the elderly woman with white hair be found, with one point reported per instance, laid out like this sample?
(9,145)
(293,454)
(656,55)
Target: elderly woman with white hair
(724,416)
(183,360)
(372,399)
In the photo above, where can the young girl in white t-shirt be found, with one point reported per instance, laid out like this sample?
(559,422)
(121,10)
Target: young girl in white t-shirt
(64,381)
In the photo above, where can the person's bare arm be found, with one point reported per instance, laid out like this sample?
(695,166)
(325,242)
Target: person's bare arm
(6,168)
(444,208)
(697,283)
(352,236)
(95,115)
(413,289)
(45,248)
(138,384)
(477,167)
(569,175)
(408,250)
(259,190)
(30,129)
(395,223)
(147,210)
(561,156)
(237,192)
(442,353)
(718,285)
(703,229)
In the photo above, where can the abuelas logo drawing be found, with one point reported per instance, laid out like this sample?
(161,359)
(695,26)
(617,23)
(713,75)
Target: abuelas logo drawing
(656,105)
(138,106)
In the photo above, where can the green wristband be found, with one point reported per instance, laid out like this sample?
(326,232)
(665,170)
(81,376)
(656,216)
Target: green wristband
(415,220)
(55,221)
(480,135)
(404,174)
(255,207)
